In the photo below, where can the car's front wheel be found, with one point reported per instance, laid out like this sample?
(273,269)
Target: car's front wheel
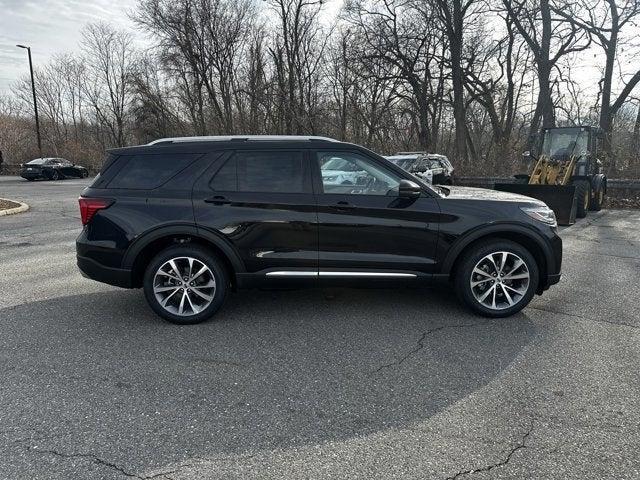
(497,278)
(186,284)
(55,175)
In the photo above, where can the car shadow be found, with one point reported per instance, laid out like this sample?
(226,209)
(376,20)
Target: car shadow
(274,369)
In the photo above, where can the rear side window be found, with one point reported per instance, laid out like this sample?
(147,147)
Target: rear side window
(270,172)
(146,172)
(226,179)
(265,172)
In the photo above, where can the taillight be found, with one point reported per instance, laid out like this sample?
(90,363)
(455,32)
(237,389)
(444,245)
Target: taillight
(89,207)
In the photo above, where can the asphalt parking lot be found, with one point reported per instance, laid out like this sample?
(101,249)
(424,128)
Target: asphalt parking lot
(314,383)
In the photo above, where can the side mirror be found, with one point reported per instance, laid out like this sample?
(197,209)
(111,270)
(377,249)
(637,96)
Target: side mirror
(409,189)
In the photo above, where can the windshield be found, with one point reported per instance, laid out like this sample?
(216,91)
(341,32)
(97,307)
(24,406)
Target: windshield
(565,143)
(37,161)
(404,163)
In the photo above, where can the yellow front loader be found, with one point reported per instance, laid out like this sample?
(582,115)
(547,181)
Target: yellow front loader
(566,175)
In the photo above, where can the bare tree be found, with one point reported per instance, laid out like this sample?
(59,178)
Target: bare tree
(110,60)
(454,15)
(411,46)
(605,20)
(549,37)
(298,55)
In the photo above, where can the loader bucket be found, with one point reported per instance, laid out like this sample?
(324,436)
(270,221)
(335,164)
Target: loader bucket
(559,198)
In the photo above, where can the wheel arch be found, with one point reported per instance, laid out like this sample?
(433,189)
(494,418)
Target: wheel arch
(520,234)
(144,248)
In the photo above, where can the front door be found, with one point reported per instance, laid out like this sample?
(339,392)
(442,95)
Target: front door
(365,228)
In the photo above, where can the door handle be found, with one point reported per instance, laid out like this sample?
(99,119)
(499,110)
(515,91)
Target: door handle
(218,200)
(343,205)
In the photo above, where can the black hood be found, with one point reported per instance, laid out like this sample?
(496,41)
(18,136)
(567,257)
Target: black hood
(469,193)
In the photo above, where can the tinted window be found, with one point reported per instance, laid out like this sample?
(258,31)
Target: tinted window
(226,179)
(144,172)
(278,172)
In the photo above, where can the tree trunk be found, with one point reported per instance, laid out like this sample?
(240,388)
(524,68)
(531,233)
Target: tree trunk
(458,82)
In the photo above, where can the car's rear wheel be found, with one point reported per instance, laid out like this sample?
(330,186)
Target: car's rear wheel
(186,284)
(497,278)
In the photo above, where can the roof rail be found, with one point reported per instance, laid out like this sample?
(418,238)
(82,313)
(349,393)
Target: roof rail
(223,138)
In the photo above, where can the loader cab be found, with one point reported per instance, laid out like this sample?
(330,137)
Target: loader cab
(562,143)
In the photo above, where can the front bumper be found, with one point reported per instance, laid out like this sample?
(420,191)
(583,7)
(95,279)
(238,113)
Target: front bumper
(117,277)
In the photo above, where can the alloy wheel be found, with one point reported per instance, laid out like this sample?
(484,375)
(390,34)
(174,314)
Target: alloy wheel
(184,286)
(500,280)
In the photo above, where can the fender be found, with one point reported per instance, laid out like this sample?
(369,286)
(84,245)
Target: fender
(182,229)
(496,229)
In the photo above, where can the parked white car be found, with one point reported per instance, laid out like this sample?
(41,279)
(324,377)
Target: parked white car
(430,167)
(337,171)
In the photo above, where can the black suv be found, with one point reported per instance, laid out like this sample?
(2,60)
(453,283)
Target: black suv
(187,219)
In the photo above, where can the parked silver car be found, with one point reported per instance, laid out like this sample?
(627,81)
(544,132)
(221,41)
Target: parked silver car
(430,167)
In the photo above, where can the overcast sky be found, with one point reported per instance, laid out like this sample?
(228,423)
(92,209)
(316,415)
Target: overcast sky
(53,26)
(49,27)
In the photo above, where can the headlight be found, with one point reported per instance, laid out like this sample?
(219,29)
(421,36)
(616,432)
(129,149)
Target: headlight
(332,178)
(542,214)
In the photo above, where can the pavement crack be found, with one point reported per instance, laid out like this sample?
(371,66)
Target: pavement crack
(501,463)
(100,461)
(420,344)
(582,317)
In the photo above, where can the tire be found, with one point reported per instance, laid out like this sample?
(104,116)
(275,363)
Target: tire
(215,274)
(55,175)
(597,200)
(520,290)
(84,174)
(583,193)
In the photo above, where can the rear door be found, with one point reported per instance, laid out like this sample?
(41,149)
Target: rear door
(261,201)
(365,228)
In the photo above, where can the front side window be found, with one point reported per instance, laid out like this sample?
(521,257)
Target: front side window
(355,174)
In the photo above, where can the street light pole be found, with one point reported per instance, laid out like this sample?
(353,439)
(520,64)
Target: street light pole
(35,101)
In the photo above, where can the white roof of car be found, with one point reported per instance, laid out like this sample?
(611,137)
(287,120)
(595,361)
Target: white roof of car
(222,138)
(407,156)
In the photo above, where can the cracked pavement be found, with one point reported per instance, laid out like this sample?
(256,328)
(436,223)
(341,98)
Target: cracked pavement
(304,384)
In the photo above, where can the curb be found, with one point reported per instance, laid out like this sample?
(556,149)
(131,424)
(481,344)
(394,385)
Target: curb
(22,208)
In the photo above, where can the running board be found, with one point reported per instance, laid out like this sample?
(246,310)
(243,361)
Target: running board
(302,273)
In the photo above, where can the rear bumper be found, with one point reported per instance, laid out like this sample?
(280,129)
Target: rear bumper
(95,271)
